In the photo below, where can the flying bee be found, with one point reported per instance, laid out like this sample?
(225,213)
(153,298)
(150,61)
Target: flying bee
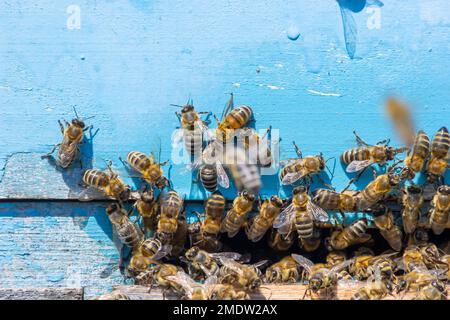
(377,190)
(192,128)
(355,233)
(401,116)
(299,168)
(412,200)
(246,277)
(388,229)
(106,181)
(268,211)
(147,207)
(236,216)
(284,271)
(440,154)
(148,168)
(320,277)
(128,233)
(418,155)
(69,148)
(300,215)
(327,199)
(280,242)
(245,174)
(440,209)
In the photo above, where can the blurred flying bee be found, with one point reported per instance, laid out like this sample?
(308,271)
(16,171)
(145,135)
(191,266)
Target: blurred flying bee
(327,199)
(192,128)
(268,211)
(246,277)
(236,216)
(401,117)
(350,235)
(319,277)
(418,155)
(299,168)
(147,207)
(148,168)
(245,174)
(348,7)
(388,229)
(300,215)
(440,209)
(129,234)
(284,271)
(107,182)
(280,242)
(440,155)
(360,158)
(69,148)
(377,190)
(256,146)
(412,200)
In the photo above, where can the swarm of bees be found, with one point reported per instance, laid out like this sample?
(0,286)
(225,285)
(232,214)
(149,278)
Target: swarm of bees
(197,260)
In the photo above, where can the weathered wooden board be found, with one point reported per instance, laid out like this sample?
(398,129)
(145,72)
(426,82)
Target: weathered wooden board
(41,294)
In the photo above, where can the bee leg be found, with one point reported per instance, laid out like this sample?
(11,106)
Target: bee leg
(359,141)
(61,126)
(178,115)
(385,142)
(51,151)
(165,163)
(297,150)
(88,128)
(324,183)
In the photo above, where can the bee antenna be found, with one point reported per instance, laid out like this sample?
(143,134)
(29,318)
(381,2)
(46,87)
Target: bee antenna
(75,111)
(176,105)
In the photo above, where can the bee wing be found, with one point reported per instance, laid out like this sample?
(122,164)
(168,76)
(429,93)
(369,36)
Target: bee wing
(284,220)
(162,252)
(186,282)
(232,265)
(357,165)
(287,162)
(350,31)
(227,255)
(317,212)
(260,264)
(293,177)
(303,262)
(202,126)
(211,280)
(222,177)
(342,265)
(193,165)
(90,193)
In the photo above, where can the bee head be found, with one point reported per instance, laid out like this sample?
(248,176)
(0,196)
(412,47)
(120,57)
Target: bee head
(125,194)
(187,108)
(315,283)
(444,190)
(78,123)
(414,189)
(255,284)
(247,195)
(299,189)
(192,252)
(112,208)
(394,179)
(276,201)
(407,173)
(148,196)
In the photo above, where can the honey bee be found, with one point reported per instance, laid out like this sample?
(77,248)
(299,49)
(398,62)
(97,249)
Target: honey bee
(383,266)
(389,230)
(206,236)
(377,190)
(129,234)
(246,277)
(375,288)
(161,275)
(234,118)
(226,292)
(179,238)
(438,162)
(280,242)
(361,262)
(418,155)
(319,277)
(412,259)
(313,243)
(170,204)
(190,289)
(193,128)
(435,290)
(331,200)
(69,148)
(348,236)
(427,283)
(256,146)
(106,181)
(148,208)
(284,271)
(432,257)
(154,249)
(208,177)
(246,175)
(262,222)
(360,158)
(300,214)
(440,209)
(139,264)
(401,117)
(202,261)
(236,216)
(299,168)
(412,200)
(148,168)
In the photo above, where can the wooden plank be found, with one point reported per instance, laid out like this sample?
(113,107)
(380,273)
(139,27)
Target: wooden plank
(41,294)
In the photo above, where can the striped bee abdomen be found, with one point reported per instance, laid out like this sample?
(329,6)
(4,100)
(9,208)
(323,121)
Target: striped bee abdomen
(171,204)
(128,234)
(441,143)
(138,160)
(304,225)
(355,231)
(422,145)
(356,154)
(215,206)
(326,199)
(208,177)
(193,141)
(96,178)
(150,247)
(238,117)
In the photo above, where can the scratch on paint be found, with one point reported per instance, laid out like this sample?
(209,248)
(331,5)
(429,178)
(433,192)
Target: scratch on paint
(324,94)
(271,87)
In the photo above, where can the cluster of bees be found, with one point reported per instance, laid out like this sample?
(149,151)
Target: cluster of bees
(191,259)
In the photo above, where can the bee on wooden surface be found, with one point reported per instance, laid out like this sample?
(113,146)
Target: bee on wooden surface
(298,168)
(435,290)
(360,158)
(417,156)
(327,199)
(412,200)
(319,277)
(148,168)
(236,216)
(388,229)
(147,207)
(190,289)
(377,190)
(440,155)
(427,283)
(138,264)
(108,182)
(383,266)
(129,234)
(220,291)
(202,262)
(376,288)
(361,262)
(207,236)
(440,209)
(284,271)
(161,275)
(355,233)
(300,215)
(268,211)
(193,128)
(69,148)
(246,277)
(280,242)
(412,259)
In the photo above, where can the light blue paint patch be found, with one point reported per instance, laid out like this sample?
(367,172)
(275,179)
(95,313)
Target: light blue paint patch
(56,277)
(293,33)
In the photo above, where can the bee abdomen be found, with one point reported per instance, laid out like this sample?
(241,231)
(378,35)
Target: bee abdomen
(326,199)
(304,225)
(171,204)
(238,117)
(193,141)
(422,145)
(357,154)
(96,178)
(215,206)
(438,221)
(208,177)
(150,247)
(356,230)
(138,160)
(441,143)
